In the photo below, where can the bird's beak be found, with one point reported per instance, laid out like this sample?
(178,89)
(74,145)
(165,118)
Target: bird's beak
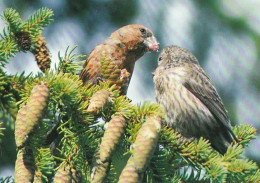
(151,43)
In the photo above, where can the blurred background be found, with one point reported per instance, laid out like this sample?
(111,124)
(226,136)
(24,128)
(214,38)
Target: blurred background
(224,35)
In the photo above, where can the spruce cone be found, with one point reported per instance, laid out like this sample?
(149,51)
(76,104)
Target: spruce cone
(37,179)
(130,174)
(75,177)
(24,40)
(98,101)
(144,147)
(146,142)
(36,105)
(63,175)
(99,171)
(21,127)
(41,53)
(111,137)
(109,141)
(24,166)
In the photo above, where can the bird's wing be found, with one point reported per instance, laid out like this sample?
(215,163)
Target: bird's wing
(91,68)
(207,94)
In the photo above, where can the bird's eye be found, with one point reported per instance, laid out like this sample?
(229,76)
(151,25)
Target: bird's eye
(143,31)
(160,59)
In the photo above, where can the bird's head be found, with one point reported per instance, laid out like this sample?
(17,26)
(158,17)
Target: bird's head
(174,55)
(136,37)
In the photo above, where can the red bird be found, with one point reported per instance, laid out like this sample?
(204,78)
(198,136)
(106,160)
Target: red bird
(114,59)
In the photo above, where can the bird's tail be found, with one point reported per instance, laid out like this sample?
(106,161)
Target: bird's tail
(222,140)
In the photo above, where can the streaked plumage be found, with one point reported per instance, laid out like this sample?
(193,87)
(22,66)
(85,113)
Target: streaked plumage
(192,104)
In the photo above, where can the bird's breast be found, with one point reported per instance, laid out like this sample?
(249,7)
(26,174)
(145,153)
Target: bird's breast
(184,111)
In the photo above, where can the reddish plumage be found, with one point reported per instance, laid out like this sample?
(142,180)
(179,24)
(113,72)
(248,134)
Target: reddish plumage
(117,54)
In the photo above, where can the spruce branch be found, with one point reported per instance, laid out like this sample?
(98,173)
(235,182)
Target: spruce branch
(35,24)
(7,94)
(8,48)
(12,18)
(69,62)
(44,162)
(21,35)
(245,133)
(8,179)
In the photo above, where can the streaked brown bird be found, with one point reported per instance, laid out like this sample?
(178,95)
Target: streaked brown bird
(114,59)
(192,104)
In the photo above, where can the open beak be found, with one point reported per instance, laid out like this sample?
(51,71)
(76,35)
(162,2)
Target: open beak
(151,43)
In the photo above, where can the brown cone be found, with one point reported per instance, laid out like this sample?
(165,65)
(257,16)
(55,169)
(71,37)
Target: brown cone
(24,40)
(41,53)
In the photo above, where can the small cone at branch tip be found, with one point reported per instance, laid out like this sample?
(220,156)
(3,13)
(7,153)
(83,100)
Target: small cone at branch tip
(146,142)
(24,166)
(63,175)
(41,53)
(24,40)
(21,127)
(115,129)
(35,107)
(98,101)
